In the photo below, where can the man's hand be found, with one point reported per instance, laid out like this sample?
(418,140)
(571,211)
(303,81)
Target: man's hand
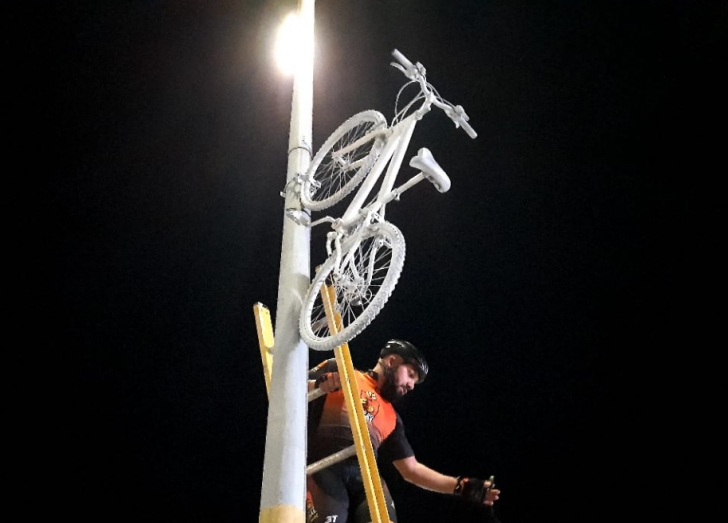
(491,493)
(480,491)
(328,382)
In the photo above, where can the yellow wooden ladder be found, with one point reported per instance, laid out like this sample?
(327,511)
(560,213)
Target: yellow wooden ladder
(362,442)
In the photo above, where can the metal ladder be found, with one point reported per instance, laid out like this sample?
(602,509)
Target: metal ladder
(362,442)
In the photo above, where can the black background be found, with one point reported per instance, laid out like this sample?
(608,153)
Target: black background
(548,288)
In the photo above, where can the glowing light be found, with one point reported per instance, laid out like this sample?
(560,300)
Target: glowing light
(294,45)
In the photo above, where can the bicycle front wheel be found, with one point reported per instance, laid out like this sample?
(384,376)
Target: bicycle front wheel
(337,169)
(369,271)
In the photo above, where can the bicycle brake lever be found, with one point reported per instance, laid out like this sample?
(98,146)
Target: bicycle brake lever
(415,73)
(461,112)
(457,114)
(400,67)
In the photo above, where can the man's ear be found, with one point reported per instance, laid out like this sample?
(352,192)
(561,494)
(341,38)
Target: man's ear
(392,360)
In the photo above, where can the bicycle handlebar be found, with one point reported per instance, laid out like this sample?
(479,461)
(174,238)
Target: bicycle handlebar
(468,129)
(409,68)
(416,72)
(457,115)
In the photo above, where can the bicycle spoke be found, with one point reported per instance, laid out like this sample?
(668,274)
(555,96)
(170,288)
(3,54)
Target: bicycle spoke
(343,161)
(362,285)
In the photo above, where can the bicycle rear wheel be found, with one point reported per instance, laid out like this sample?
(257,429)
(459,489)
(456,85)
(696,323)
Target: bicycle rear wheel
(331,176)
(361,287)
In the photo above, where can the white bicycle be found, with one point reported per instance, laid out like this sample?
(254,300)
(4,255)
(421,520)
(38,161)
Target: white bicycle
(365,252)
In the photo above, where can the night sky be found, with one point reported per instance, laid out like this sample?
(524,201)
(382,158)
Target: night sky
(547,288)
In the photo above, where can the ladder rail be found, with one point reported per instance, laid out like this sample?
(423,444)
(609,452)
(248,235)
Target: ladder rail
(264,326)
(362,439)
(362,447)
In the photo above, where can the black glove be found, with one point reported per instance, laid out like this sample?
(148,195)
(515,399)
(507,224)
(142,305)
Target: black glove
(322,378)
(474,490)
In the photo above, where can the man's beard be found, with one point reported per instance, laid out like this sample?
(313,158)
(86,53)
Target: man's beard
(390,391)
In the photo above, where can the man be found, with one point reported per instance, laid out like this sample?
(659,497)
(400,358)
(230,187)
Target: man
(336,493)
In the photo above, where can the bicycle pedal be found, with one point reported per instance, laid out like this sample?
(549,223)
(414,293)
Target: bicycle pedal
(300,217)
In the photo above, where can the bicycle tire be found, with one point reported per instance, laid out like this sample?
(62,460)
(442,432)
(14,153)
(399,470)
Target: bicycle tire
(328,180)
(356,311)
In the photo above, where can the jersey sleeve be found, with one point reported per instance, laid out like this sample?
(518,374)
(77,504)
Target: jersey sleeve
(396,446)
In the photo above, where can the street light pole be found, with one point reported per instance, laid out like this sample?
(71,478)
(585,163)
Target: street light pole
(283,491)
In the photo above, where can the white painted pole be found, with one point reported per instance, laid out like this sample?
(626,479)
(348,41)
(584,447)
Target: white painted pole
(284,467)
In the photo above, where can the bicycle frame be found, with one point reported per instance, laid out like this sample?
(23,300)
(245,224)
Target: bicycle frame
(393,152)
(365,251)
(398,138)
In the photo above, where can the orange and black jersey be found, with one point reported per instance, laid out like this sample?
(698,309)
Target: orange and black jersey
(328,422)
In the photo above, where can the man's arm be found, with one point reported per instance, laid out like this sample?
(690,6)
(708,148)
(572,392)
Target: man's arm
(328,382)
(324,377)
(424,477)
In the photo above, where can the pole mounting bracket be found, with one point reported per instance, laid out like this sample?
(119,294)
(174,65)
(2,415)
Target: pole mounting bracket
(294,184)
(305,147)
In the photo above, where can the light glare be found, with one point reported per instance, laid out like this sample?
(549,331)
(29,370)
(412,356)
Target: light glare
(292,47)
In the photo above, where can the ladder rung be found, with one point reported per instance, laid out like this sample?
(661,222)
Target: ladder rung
(315,393)
(330,460)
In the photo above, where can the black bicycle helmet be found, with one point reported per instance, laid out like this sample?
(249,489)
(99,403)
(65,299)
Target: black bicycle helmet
(410,354)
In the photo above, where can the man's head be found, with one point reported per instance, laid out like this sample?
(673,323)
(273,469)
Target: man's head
(401,366)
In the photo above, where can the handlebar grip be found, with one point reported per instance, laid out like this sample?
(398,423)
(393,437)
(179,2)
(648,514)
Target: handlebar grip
(402,59)
(466,127)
